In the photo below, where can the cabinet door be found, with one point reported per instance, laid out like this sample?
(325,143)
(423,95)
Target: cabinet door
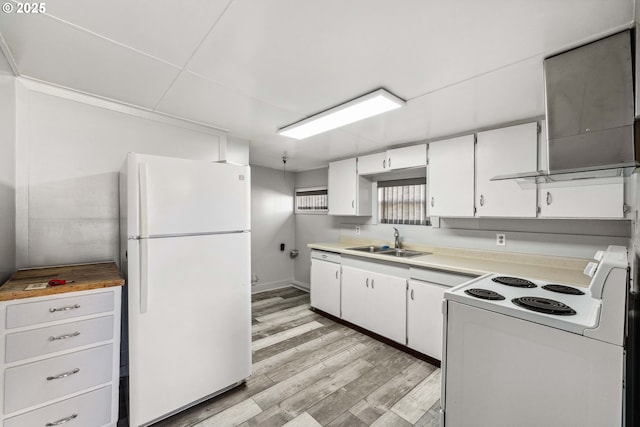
(388,307)
(602,198)
(589,198)
(355,296)
(407,157)
(506,151)
(343,182)
(373,163)
(325,286)
(450,177)
(424,317)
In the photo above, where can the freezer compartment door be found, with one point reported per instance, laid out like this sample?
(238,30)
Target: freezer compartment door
(169,196)
(194,337)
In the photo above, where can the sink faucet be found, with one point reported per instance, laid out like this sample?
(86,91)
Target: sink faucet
(396,235)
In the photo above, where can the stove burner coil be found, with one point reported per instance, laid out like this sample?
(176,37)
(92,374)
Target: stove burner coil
(544,305)
(514,281)
(484,294)
(562,289)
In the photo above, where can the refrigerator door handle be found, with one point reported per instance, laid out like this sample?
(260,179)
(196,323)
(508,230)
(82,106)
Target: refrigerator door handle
(144,282)
(142,178)
(144,234)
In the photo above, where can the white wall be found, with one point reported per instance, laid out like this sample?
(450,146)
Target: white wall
(312,228)
(69,149)
(7,174)
(272,223)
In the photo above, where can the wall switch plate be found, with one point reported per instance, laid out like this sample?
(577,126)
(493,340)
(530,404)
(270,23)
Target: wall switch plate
(501,239)
(357,229)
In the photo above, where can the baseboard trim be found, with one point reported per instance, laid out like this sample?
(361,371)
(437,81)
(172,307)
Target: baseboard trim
(263,287)
(301,285)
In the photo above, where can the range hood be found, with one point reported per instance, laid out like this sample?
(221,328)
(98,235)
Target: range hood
(590,112)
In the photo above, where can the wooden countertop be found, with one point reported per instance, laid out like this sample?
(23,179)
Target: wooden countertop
(477,262)
(85,277)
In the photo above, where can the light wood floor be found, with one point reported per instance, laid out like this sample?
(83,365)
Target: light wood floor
(311,371)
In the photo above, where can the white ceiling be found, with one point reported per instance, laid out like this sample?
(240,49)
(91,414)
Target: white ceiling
(253,66)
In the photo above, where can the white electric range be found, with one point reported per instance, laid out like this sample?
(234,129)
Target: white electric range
(523,352)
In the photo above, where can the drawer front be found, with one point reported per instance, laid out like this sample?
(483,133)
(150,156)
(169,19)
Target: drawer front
(48,379)
(32,313)
(325,256)
(87,410)
(36,342)
(439,277)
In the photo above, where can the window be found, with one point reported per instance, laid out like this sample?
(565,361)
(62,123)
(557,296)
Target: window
(403,201)
(311,200)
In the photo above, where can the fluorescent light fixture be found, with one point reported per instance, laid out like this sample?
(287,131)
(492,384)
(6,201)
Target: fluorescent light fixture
(371,104)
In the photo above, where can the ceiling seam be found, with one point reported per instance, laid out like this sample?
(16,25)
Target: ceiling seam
(77,27)
(474,77)
(4,47)
(195,51)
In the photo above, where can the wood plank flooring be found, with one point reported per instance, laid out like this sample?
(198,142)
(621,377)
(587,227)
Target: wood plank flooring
(311,371)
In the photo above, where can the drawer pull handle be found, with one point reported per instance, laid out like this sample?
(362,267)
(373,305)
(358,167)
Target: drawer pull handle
(64,337)
(65,375)
(61,421)
(67,308)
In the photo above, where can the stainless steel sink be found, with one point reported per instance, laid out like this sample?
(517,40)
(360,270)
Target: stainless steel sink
(404,253)
(370,249)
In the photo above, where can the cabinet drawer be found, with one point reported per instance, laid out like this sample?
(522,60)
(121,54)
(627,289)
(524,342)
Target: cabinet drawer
(32,313)
(439,277)
(48,379)
(326,256)
(91,410)
(36,342)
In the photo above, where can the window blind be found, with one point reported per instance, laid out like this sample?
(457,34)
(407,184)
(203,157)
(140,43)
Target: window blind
(311,200)
(402,202)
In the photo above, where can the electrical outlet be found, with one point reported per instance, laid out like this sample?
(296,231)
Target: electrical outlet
(501,240)
(357,229)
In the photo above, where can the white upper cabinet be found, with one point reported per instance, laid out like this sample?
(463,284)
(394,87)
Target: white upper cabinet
(450,177)
(601,198)
(349,194)
(372,163)
(504,151)
(585,198)
(394,159)
(407,157)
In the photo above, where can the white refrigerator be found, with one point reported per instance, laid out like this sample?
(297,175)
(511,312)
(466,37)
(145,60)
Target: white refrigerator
(185,229)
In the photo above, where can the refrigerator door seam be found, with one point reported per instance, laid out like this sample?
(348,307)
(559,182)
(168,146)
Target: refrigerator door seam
(166,236)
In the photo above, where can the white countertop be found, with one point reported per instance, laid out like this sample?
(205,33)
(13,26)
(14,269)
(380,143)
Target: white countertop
(476,262)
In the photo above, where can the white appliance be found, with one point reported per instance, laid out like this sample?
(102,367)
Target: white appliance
(186,225)
(525,353)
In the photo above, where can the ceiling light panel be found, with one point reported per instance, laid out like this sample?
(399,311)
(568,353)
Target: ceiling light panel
(372,104)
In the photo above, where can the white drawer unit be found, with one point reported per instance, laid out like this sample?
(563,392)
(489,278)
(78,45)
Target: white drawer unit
(49,310)
(36,342)
(61,357)
(39,382)
(91,409)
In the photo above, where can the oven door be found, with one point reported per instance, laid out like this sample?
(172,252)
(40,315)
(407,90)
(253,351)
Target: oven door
(504,371)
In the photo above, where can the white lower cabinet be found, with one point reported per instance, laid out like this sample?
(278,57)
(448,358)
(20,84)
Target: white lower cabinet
(424,317)
(374,300)
(60,359)
(356,296)
(325,282)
